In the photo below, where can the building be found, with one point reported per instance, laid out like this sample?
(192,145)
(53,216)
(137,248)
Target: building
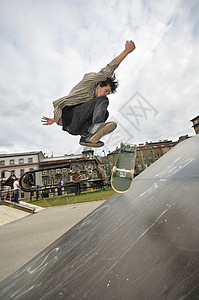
(17,164)
(150,152)
(195,122)
(88,166)
(146,154)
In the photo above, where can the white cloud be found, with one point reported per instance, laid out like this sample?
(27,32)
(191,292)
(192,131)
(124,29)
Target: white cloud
(47,46)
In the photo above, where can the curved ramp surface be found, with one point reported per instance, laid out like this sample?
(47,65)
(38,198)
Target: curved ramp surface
(143,244)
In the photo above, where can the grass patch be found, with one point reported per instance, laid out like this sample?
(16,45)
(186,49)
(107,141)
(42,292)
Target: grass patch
(72,199)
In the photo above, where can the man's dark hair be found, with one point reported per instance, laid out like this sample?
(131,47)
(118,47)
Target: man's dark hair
(112,82)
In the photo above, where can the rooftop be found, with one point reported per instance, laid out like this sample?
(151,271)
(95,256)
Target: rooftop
(194,118)
(20,154)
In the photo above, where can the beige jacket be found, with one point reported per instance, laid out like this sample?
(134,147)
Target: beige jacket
(83,91)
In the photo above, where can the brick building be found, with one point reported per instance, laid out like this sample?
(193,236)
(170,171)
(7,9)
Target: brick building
(146,154)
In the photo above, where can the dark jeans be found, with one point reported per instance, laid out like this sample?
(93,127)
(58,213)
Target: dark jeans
(85,115)
(16,195)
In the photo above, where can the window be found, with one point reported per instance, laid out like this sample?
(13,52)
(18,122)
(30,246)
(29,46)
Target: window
(83,175)
(157,156)
(21,161)
(21,172)
(2,163)
(30,159)
(138,158)
(45,180)
(12,162)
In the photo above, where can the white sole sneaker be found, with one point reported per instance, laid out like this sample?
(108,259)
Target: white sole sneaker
(104,128)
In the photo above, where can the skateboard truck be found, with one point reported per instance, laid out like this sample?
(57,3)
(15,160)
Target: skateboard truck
(123,172)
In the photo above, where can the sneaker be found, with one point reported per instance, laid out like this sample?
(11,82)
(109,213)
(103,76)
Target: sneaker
(101,129)
(85,141)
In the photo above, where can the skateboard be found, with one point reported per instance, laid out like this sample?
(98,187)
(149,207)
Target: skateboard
(123,171)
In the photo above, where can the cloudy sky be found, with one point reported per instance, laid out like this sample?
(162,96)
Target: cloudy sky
(46,47)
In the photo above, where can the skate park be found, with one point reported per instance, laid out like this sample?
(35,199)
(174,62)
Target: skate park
(139,245)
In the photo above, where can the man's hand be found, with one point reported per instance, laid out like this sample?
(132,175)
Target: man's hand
(47,121)
(129,46)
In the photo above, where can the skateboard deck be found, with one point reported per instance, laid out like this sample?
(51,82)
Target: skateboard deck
(123,171)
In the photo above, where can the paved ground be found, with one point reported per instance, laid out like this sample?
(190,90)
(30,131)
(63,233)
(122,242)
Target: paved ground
(24,238)
(8,214)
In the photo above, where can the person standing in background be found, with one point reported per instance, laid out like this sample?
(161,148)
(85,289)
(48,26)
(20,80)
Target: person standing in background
(16,190)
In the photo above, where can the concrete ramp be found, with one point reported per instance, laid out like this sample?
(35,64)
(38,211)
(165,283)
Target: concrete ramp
(143,244)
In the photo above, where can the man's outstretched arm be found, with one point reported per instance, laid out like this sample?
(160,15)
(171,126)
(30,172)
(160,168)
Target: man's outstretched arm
(129,47)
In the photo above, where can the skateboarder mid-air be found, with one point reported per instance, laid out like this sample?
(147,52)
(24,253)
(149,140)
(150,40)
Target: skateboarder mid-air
(84,111)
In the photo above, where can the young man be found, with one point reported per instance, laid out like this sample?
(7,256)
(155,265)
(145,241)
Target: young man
(16,190)
(84,111)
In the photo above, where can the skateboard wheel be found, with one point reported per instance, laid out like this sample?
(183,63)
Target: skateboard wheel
(132,172)
(114,169)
